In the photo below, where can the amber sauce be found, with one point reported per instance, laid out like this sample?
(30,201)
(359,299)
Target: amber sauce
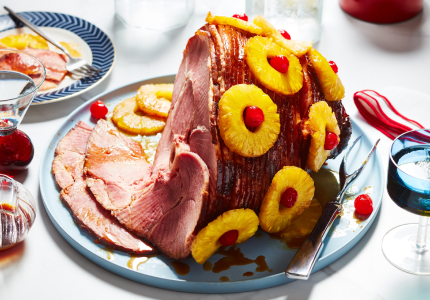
(235,257)
(8,207)
(11,255)
(135,261)
(207,266)
(296,243)
(247,274)
(224,278)
(326,185)
(180,267)
(109,253)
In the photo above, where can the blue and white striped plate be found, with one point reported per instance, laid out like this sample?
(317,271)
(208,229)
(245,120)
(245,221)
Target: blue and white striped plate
(98,49)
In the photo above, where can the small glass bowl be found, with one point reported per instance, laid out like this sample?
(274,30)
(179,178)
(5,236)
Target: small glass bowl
(16,69)
(17,212)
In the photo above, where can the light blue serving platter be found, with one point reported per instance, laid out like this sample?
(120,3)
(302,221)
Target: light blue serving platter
(100,51)
(158,272)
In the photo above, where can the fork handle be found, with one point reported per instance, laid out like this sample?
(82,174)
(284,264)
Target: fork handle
(38,31)
(303,262)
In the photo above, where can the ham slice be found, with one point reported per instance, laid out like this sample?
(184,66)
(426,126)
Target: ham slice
(68,171)
(55,63)
(162,207)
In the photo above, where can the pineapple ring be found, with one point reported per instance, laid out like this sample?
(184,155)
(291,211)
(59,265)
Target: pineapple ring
(305,223)
(207,242)
(24,40)
(126,116)
(232,126)
(235,22)
(155,99)
(330,82)
(257,50)
(321,118)
(273,216)
(298,48)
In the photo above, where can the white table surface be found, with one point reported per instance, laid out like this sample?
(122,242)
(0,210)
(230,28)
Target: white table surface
(369,56)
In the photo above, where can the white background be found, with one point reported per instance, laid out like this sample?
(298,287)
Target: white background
(392,59)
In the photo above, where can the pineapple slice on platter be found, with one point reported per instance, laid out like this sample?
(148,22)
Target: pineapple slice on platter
(129,118)
(304,224)
(237,137)
(155,99)
(234,22)
(274,216)
(330,82)
(240,223)
(258,50)
(321,120)
(298,48)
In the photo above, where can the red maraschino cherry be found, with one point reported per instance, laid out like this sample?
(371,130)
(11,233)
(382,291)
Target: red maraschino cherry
(254,116)
(98,109)
(229,238)
(289,197)
(333,66)
(331,140)
(285,34)
(280,63)
(241,16)
(363,204)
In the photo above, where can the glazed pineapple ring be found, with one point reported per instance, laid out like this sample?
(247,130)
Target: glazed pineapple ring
(235,22)
(127,117)
(258,50)
(232,127)
(321,119)
(155,99)
(207,240)
(304,224)
(298,48)
(330,82)
(273,216)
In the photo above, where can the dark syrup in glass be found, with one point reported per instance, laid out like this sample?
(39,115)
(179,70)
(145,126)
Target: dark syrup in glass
(409,187)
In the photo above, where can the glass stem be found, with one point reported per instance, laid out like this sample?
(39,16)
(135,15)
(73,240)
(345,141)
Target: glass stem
(422,233)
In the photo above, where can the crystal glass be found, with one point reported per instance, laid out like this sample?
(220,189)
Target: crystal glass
(300,18)
(17,212)
(408,184)
(159,15)
(21,75)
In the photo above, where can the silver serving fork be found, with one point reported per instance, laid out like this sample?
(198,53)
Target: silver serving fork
(303,262)
(76,66)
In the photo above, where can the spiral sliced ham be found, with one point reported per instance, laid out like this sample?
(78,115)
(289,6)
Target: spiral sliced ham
(195,177)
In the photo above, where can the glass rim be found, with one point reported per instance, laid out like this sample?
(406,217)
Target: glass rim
(36,87)
(391,156)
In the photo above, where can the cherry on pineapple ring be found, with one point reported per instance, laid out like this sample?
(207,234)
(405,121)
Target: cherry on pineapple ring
(333,66)
(363,204)
(243,17)
(285,34)
(289,197)
(280,63)
(331,140)
(98,109)
(254,116)
(229,238)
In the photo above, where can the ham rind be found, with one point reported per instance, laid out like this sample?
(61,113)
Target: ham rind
(67,168)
